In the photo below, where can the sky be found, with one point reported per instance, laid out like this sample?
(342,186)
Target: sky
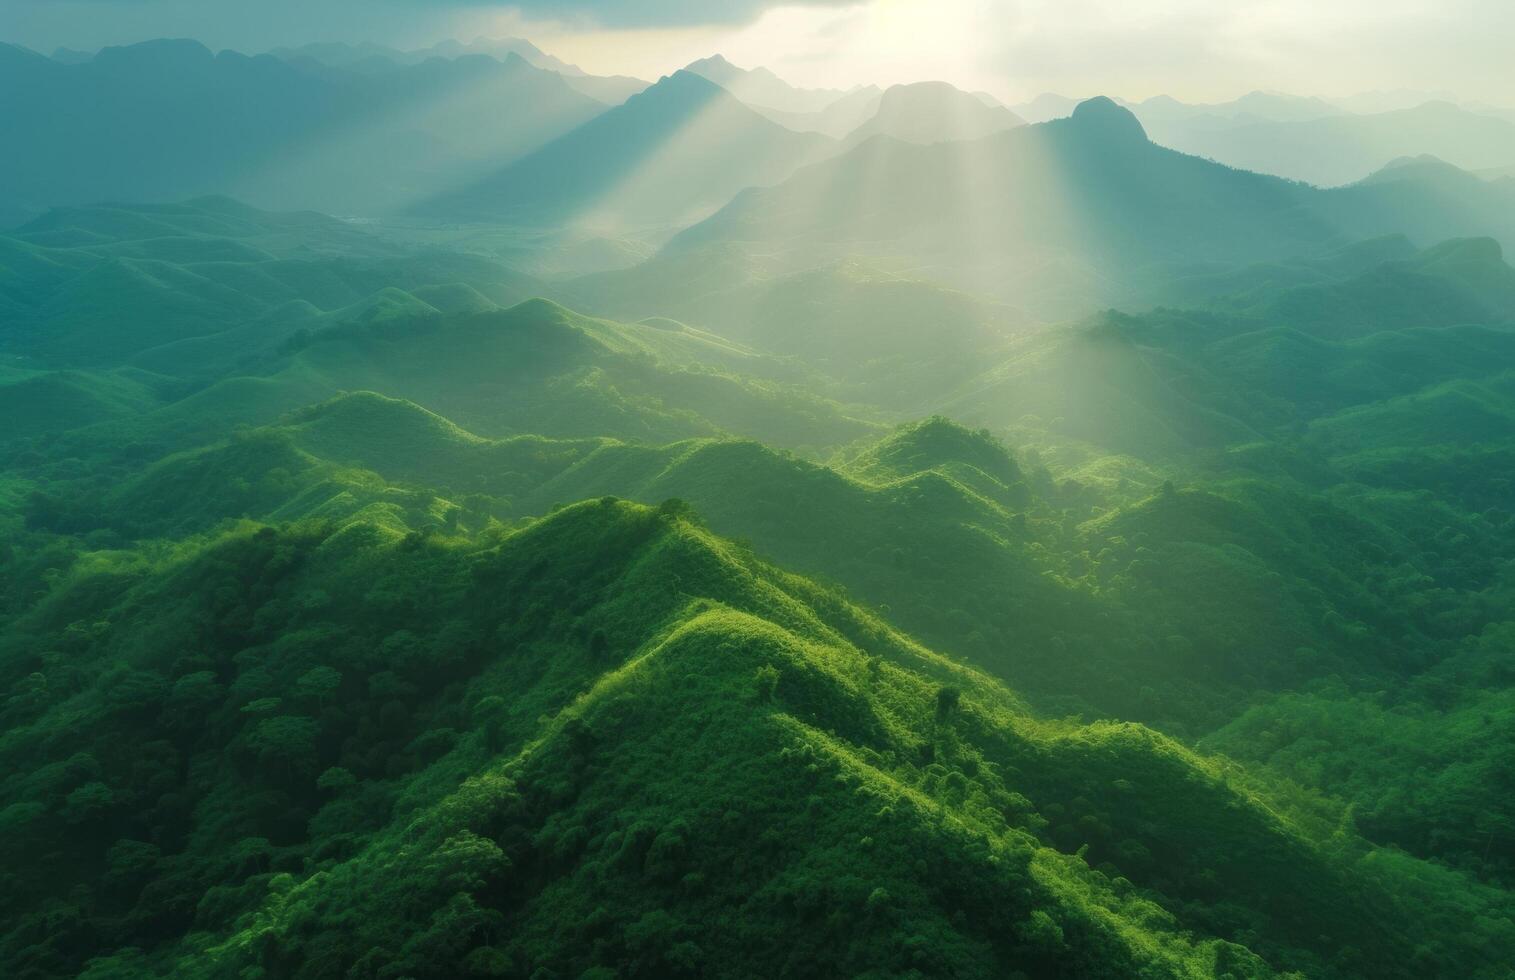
(1197,50)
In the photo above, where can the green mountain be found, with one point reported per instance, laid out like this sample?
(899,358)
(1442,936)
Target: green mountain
(533,368)
(883,337)
(522,777)
(839,587)
(191,289)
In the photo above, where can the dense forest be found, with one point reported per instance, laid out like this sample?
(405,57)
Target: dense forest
(415,601)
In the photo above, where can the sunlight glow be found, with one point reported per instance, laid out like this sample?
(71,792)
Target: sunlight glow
(1195,50)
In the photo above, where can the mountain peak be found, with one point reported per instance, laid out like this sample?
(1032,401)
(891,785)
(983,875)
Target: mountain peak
(933,112)
(159,53)
(1102,115)
(684,78)
(1424,167)
(683,88)
(1481,251)
(716,68)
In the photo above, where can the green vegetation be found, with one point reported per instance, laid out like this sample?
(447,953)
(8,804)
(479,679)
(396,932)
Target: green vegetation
(585,743)
(367,611)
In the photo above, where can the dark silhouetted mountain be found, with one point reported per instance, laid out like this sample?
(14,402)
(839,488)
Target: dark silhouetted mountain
(668,157)
(168,119)
(934,112)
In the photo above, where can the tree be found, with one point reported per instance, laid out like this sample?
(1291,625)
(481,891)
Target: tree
(766,682)
(286,745)
(947,699)
(319,683)
(490,715)
(336,779)
(674,508)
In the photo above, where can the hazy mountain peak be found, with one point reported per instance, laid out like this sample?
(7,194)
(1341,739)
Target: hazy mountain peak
(1481,250)
(159,53)
(1102,115)
(1422,167)
(683,86)
(1433,106)
(761,88)
(934,112)
(716,61)
(17,51)
(719,69)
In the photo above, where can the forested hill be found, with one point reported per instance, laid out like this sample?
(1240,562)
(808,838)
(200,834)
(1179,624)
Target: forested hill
(373,607)
(582,743)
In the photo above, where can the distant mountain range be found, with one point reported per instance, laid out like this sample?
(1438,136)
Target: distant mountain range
(168,119)
(669,156)
(612,89)
(1065,214)
(1165,109)
(1335,148)
(832,112)
(500,131)
(762,89)
(934,112)
(1323,142)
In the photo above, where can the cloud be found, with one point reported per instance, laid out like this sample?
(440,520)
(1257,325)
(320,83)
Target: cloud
(654,13)
(1193,49)
(258,24)
(1219,48)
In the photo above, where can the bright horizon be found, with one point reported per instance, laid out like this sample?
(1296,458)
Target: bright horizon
(1014,49)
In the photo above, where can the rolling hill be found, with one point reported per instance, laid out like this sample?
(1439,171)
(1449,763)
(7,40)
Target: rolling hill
(542,745)
(191,289)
